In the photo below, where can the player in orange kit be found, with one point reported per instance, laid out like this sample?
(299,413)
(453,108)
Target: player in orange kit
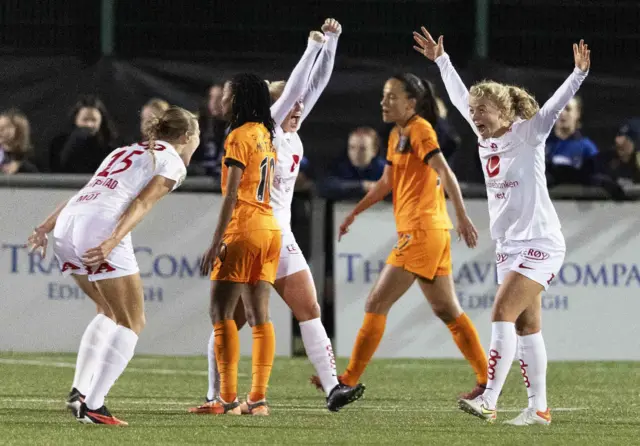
(246,243)
(418,175)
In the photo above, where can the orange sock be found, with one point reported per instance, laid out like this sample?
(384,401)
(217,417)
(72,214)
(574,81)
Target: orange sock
(466,338)
(227,348)
(366,344)
(264,350)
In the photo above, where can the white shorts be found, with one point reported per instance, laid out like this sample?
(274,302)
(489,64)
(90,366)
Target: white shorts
(74,235)
(538,259)
(291,258)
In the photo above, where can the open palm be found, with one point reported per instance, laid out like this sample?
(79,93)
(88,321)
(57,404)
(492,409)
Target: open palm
(428,47)
(582,55)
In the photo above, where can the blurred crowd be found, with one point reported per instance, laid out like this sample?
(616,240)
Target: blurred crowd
(90,134)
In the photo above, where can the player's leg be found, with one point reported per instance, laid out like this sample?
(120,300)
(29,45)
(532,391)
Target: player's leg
(213,392)
(91,343)
(125,297)
(295,286)
(256,304)
(440,293)
(299,293)
(516,293)
(532,356)
(392,283)
(225,296)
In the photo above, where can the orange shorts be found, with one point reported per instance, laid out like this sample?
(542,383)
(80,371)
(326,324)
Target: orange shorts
(425,253)
(248,257)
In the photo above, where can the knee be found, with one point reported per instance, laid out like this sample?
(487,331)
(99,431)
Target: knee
(527,328)
(446,313)
(308,312)
(376,304)
(133,323)
(501,313)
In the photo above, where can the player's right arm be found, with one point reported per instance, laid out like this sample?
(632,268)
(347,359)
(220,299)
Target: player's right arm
(38,238)
(378,192)
(297,82)
(158,187)
(457,91)
(237,152)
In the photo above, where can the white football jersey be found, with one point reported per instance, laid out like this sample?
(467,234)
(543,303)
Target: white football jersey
(514,171)
(289,155)
(514,164)
(122,176)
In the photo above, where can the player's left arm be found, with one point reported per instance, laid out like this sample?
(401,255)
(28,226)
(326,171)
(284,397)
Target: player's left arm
(156,189)
(323,66)
(538,128)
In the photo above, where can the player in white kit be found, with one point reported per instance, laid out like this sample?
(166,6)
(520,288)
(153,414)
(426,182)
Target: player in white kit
(293,100)
(92,242)
(530,247)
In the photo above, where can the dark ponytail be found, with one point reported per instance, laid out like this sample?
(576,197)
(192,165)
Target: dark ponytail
(424,94)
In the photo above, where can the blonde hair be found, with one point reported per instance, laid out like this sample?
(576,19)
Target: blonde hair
(169,126)
(512,101)
(275,89)
(20,145)
(157,105)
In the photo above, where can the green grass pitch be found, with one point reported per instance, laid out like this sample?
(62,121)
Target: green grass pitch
(409,402)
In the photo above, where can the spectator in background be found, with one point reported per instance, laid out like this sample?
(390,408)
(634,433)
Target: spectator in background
(213,130)
(620,167)
(570,155)
(15,143)
(153,108)
(354,175)
(91,138)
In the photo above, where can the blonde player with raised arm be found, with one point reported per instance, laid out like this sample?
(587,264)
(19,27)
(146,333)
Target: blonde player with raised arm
(92,242)
(530,247)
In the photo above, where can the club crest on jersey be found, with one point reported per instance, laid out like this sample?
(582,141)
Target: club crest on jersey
(403,145)
(296,161)
(493,166)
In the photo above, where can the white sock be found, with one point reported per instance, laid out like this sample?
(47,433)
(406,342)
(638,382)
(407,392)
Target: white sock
(501,354)
(533,364)
(114,357)
(214,376)
(320,353)
(96,333)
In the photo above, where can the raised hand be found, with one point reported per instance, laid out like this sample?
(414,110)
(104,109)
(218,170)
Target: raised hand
(582,55)
(428,47)
(316,36)
(332,26)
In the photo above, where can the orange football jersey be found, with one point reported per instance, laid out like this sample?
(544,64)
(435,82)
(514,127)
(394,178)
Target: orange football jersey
(418,196)
(250,148)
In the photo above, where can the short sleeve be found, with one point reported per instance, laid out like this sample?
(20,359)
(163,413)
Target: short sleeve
(236,149)
(171,167)
(424,141)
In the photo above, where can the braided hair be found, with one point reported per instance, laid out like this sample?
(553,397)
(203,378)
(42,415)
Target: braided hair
(251,102)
